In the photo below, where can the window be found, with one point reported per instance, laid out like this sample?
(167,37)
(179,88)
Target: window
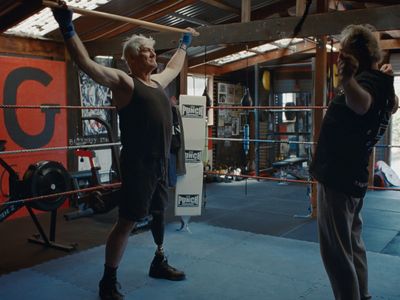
(288,99)
(196,85)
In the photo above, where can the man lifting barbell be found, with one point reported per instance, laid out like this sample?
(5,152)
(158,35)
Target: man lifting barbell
(145,122)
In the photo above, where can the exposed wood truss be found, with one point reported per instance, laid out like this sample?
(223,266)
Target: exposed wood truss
(261,58)
(383,18)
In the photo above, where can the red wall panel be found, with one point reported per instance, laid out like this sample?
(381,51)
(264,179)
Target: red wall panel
(25,81)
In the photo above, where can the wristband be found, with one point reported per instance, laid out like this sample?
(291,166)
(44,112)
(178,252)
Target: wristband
(185,41)
(68,32)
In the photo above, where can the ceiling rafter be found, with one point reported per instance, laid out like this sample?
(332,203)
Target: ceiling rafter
(192,20)
(250,61)
(382,18)
(222,5)
(384,2)
(200,60)
(151,13)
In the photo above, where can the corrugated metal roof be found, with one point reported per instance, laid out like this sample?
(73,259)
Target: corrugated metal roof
(202,11)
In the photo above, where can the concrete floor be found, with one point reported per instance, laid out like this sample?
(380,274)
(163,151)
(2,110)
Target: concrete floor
(242,247)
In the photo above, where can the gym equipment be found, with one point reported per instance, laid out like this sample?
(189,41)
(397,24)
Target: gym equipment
(41,178)
(45,178)
(385,176)
(100,201)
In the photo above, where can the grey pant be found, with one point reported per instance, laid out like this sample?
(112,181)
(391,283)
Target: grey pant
(341,245)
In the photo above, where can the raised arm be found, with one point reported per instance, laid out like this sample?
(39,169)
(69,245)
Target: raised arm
(175,64)
(357,98)
(109,77)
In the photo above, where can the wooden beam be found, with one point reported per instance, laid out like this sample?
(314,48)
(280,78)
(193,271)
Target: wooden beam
(394,33)
(280,7)
(12,12)
(258,14)
(300,7)
(199,60)
(246,11)
(266,11)
(319,95)
(183,78)
(31,47)
(380,2)
(205,69)
(258,59)
(222,5)
(390,44)
(382,18)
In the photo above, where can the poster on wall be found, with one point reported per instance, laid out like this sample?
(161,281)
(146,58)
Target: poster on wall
(229,94)
(26,81)
(235,126)
(222,91)
(238,94)
(94,94)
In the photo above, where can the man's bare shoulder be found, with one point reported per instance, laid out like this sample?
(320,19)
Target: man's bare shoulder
(122,93)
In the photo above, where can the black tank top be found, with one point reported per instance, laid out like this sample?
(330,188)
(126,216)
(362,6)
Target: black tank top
(146,123)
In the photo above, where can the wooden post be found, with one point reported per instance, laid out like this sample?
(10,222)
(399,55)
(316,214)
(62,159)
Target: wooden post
(246,11)
(183,78)
(300,7)
(371,167)
(319,94)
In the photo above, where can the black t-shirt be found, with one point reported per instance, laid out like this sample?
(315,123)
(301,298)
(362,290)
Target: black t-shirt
(146,124)
(347,139)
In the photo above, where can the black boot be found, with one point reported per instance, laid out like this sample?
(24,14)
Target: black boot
(108,290)
(162,270)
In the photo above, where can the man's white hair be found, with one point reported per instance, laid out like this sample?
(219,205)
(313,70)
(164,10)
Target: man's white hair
(133,44)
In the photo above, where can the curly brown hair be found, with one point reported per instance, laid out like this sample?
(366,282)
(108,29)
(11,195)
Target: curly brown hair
(362,43)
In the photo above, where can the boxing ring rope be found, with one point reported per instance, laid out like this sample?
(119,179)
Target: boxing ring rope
(258,141)
(54,106)
(287,180)
(103,145)
(281,142)
(262,177)
(268,107)
(68,193)
(118,184)
(278,109)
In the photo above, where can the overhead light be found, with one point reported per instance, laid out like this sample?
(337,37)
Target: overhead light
(43,22)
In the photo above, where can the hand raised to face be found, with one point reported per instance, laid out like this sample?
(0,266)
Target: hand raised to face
(387,69)
(347,67)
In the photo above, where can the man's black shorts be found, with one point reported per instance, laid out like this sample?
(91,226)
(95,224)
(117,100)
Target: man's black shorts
(144,188)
